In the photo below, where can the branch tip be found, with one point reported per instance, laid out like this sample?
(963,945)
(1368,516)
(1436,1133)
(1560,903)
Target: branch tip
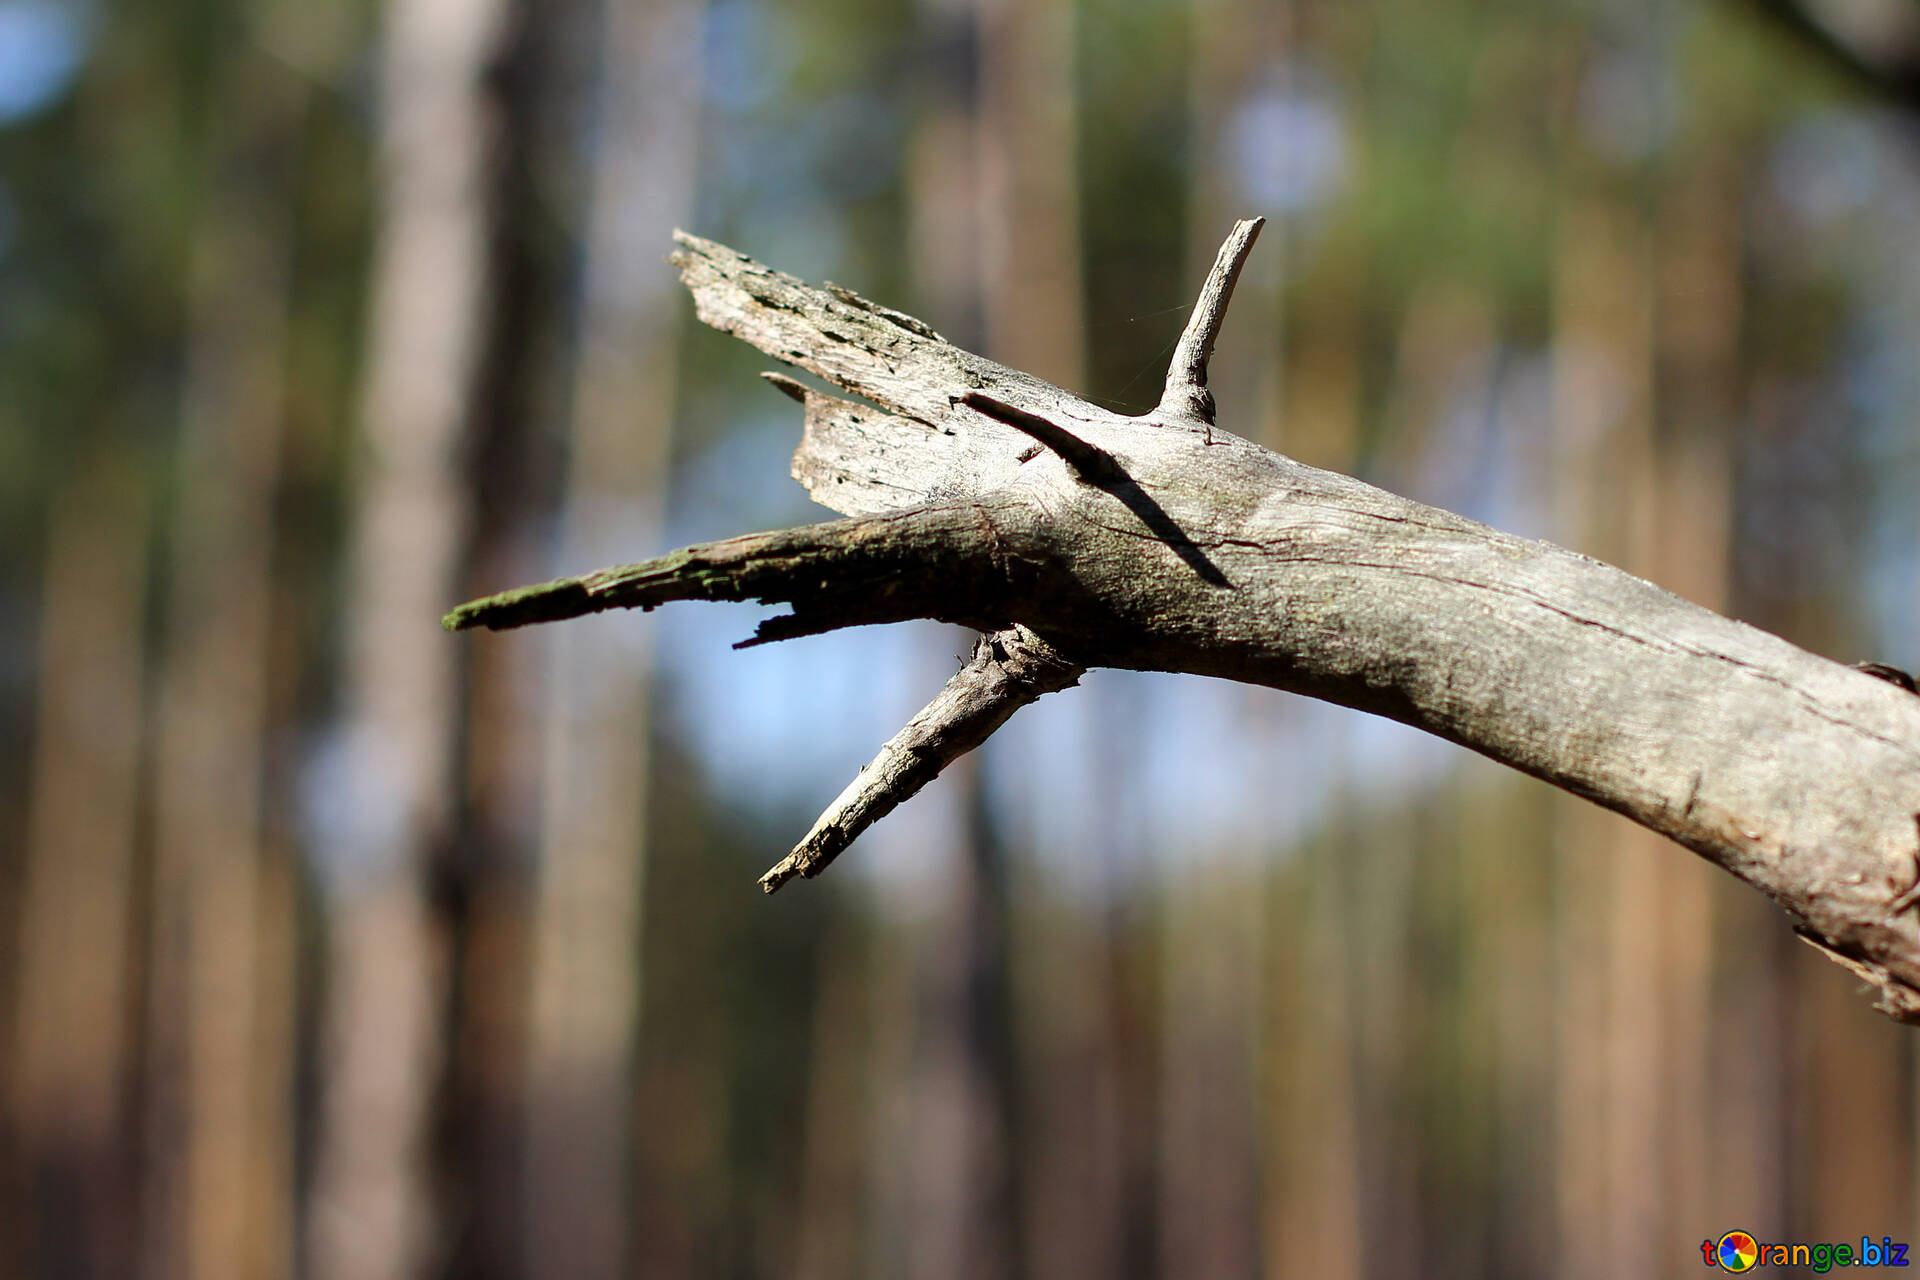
(781,872)
(826,571)
(541,602)
(791,387)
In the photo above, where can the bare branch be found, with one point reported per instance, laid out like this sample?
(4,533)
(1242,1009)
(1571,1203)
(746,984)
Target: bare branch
(1008,670)
(1186,395)
(1795,774)
(916,563)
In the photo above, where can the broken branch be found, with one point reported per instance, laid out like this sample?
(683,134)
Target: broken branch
(885,568)
(1791,772)
(1008,670)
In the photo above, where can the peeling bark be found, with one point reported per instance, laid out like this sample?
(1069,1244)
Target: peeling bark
(1190,549)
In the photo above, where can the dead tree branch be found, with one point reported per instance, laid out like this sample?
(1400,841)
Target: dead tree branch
(1008,670)
(1079,538)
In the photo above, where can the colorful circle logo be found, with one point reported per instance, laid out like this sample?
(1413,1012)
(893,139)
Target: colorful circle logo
(1737,1251)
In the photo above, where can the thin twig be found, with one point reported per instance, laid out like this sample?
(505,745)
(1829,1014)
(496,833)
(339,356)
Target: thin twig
(1008,670)
(1186,395)
(1089,462)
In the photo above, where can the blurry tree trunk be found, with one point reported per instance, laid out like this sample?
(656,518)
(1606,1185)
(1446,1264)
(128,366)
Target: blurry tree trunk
(512,455)
(1313,1190)
(1315,1209)
(586,977)
(68,1044)
(1214,1009)
(1747,1103)
(1028,189)
(1634,978)
(1372,880)
(220,1165)
(1209,1199)
(1376,910)
(1311,1219)
(1697,336)
(960,1208)
(1075,1130)
(828,1218)
(371,1209)
(1601,393)
(1120,1085)
(1637,1115)
(1815,1135)
(1507,927)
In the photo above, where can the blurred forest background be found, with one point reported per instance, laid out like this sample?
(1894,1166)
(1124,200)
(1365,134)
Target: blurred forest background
(332,945)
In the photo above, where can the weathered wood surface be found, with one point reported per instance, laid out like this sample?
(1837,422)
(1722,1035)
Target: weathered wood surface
(1163,543)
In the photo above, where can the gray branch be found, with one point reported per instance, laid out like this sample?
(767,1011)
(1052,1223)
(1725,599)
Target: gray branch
(1124,543)
(840,574)
(1008,670)
(1186,394)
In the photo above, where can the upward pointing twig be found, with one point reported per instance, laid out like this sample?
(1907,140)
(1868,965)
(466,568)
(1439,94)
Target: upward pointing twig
(1186,395)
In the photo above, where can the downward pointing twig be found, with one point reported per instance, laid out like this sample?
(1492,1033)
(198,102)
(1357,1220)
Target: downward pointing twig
(1008,670)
